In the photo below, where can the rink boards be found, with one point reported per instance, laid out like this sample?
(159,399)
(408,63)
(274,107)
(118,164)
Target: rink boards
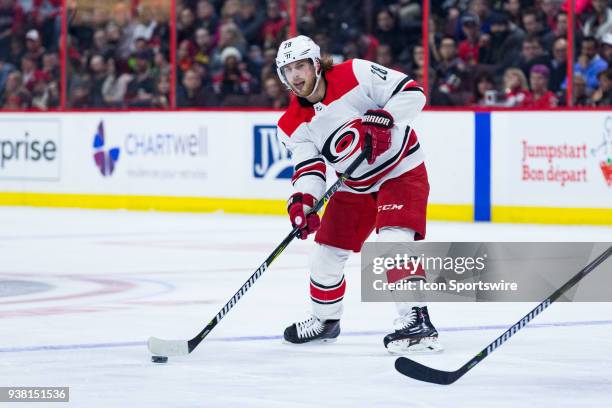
(547,167)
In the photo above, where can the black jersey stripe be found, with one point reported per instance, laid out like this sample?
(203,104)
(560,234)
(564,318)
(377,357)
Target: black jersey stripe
(401,85)
(413,89)
(307,162)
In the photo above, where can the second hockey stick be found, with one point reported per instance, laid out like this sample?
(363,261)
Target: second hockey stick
(421,372)
(167,348)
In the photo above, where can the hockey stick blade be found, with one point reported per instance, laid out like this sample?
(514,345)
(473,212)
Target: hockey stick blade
(411,368)
(167,348)
(420,372)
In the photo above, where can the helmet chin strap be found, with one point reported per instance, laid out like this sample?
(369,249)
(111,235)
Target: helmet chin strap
(316,84)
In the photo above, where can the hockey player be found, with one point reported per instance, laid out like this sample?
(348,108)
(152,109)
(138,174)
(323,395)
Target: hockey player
(335,111)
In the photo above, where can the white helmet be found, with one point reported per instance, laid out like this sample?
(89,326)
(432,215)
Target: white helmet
(295,49)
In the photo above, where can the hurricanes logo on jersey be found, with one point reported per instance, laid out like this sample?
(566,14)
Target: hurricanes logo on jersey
(343,142)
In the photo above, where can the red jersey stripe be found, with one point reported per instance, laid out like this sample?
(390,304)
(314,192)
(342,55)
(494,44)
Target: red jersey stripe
(313,167)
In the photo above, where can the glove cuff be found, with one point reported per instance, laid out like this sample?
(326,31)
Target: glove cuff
(307,200)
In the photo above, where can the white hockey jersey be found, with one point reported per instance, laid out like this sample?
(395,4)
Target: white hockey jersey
(328,131)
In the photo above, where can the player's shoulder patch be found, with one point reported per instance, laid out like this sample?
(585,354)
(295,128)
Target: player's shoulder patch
(294,116)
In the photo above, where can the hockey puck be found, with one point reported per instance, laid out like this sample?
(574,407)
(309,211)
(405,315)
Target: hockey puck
(159,359)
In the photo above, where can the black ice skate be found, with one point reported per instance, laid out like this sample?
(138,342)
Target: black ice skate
(312,330)
(414,333)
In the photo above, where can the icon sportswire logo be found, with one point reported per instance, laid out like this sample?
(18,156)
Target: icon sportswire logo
(106,160)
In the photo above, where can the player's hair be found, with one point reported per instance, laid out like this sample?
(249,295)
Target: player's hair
(327,63)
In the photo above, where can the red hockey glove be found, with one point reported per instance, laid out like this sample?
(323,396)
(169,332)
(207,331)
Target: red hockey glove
(298,206)
(376,125)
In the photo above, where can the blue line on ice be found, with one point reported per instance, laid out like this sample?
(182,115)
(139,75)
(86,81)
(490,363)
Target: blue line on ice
(50,347)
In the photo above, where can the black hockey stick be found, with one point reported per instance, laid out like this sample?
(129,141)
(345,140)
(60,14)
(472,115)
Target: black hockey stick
(160,347)
(421,372)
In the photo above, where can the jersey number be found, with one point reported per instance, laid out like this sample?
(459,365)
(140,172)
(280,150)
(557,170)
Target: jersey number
(379,72)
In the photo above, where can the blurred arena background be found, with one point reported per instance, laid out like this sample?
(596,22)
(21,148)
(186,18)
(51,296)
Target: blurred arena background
(172,104)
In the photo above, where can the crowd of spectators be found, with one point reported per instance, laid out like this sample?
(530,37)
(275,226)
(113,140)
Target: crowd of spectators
(593,63)
(226,49)
(118,55)
(510,53)
(29,58)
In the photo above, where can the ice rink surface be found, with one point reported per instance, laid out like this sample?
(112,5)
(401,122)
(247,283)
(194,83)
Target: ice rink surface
(81,291)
